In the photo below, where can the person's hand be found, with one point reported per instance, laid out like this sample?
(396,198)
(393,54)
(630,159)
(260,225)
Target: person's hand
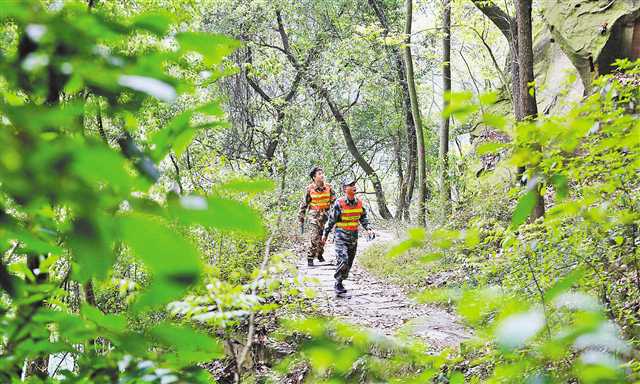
(323,240)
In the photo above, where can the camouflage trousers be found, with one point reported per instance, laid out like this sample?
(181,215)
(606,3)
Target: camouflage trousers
(346,246)
(316,226)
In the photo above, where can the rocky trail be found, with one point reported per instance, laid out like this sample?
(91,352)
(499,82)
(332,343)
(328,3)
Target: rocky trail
(373,303)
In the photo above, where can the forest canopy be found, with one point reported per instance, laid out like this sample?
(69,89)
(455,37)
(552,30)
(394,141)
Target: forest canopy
(161,209)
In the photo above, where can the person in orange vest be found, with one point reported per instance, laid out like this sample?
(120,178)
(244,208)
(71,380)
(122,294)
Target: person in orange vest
(347,214)
(318,199)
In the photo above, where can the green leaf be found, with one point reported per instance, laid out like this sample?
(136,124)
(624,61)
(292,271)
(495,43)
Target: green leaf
(431,257)
(190,346)
(561,185)
(183,140)
(456,378)
(488,98)
(563,284)
(91,245)
(112,323)
(173,260)
(99,164)
(211,109)
(496,121)
(14,10)
(164,138)
(416,239)
(30,242)
(156,22)
(491,147)
(524,208)
(179,132)
(213,47)
(218,213)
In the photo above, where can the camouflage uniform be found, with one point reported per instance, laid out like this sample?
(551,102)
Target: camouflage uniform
(317,220)
(346,242)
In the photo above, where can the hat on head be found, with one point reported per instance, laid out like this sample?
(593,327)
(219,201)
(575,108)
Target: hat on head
(313,171)
(348,181)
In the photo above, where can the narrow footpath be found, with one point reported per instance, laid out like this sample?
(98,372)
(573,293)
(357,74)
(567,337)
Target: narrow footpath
(376,304)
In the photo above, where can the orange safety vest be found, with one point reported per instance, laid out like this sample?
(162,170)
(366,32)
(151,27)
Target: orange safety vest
(350,216)
(320,201)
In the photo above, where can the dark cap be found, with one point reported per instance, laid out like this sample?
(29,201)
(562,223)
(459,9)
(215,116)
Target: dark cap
(313,171)
(348,181)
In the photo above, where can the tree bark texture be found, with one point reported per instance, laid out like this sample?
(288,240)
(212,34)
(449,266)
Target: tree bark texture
(444,128)
(527,103)
(422,187)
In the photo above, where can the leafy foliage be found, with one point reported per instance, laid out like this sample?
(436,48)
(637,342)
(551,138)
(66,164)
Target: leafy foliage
(71,204)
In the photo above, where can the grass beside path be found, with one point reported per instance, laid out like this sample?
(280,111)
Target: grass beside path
(405,270)
(412,274)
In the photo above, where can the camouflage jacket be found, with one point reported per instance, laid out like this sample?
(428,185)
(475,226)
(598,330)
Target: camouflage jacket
(306,200)
(334,217)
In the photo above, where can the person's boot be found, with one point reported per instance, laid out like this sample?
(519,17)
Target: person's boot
(339,287)
(310,262)
(321,259)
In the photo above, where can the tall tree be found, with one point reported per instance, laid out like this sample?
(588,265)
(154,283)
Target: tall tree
(422,186)
(407,184)
(279,104)
(527,102)
(446,89)
(509,28)
(338,114)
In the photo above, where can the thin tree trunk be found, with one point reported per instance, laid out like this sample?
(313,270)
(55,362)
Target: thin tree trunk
(444,129)
(422,187)
(508,26)
(527,102)
(279,107)
(174,161)
(351,146)
(400,208)
(412,142)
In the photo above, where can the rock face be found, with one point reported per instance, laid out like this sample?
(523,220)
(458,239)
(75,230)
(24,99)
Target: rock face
(559,83)
(593,33)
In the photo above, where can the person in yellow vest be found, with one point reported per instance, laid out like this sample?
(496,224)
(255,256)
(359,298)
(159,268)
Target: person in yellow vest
(347,214)
(317,199)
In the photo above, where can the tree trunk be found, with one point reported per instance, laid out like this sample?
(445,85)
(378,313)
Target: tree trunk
(509,28)
(396,56)
(279,107)
(357,156)
(422,187)
(444,129)
(339,117)
(525,59)
(527,102)
(412,140)
(400,207)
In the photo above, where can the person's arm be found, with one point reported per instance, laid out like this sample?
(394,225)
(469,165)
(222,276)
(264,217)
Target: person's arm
(333,219)
(304,206)
(364,220)
(332,196)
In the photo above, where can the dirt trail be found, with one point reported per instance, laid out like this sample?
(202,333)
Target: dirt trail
(374,303)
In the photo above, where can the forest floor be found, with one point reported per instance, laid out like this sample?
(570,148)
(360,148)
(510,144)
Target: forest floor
(377,304)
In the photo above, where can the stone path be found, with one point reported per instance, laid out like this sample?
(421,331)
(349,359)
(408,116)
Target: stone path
(376,304)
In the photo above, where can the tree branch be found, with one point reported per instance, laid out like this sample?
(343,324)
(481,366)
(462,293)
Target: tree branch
(499,17)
